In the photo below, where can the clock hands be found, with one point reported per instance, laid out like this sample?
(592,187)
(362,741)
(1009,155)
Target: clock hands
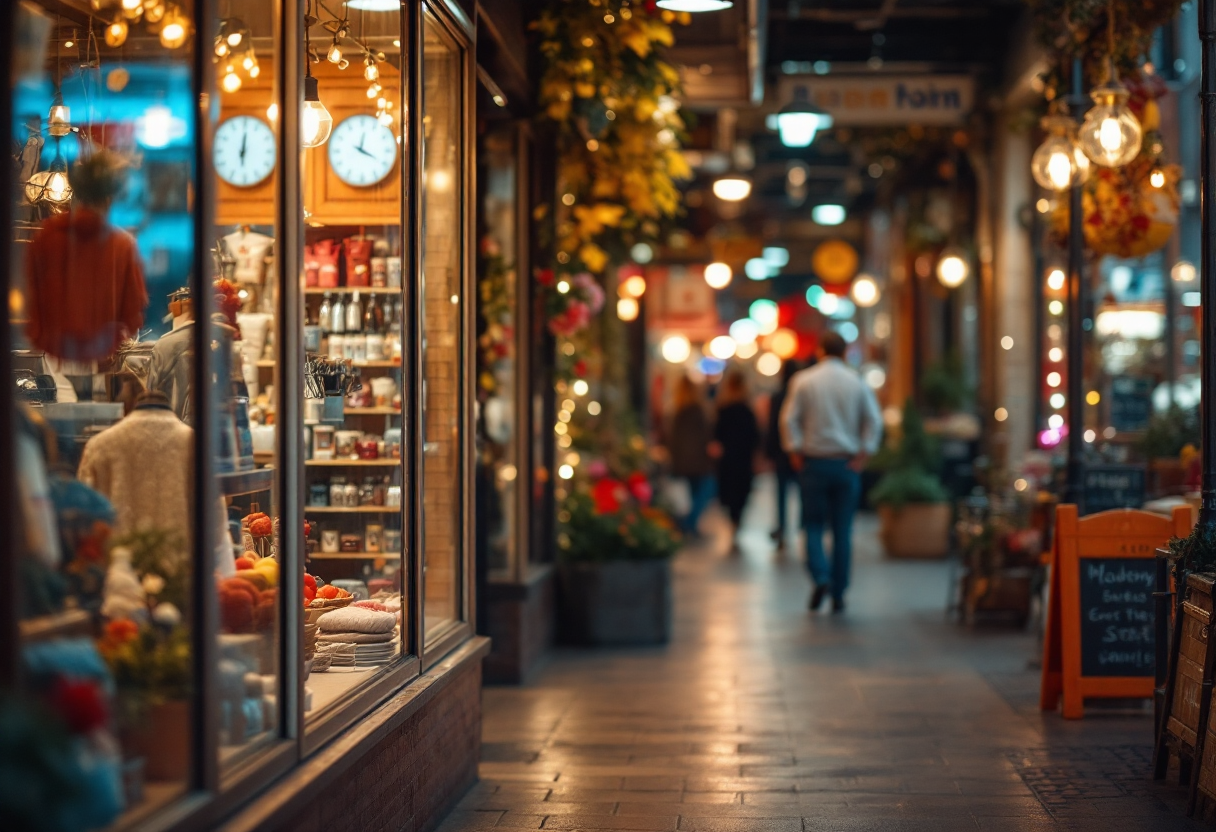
(359,146)
(244,140)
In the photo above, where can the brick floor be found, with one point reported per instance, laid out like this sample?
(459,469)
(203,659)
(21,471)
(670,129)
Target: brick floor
(762,717)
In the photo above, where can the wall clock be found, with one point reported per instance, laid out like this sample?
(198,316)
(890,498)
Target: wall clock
(244,151)
(362,151)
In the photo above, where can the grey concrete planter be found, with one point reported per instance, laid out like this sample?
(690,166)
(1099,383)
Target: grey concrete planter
(616,602)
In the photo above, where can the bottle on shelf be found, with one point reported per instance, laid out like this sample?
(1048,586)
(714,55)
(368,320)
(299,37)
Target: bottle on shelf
(337,316)
(354,314)
(387,316)
(325,313)
(371,315)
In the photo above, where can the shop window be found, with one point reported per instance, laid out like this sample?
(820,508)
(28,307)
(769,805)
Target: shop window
(103,243)
(356,624)
(498,460)
(442,313)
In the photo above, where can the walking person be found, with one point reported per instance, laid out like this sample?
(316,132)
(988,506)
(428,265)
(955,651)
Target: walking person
(831,425)
(787,478)
(688,443)
(736,438)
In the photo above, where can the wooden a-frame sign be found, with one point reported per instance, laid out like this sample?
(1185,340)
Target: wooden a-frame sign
(1099,640)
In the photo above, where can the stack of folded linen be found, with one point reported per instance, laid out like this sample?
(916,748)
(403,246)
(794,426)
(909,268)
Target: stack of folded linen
(370,633)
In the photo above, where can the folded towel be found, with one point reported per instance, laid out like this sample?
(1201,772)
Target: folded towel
(354,638)
(356,620)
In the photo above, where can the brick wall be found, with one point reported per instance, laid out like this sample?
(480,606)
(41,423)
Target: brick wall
(412,777)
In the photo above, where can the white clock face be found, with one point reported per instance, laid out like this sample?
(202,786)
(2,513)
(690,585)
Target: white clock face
(244,151)
(362,151)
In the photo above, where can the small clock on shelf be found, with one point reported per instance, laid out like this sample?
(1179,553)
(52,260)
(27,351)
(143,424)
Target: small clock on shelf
(362,151)
(244,151)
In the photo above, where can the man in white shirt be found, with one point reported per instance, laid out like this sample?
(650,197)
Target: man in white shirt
(830,426)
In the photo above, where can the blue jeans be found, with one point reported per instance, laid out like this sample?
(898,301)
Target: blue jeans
(786,477)
(701,490)
(830,494)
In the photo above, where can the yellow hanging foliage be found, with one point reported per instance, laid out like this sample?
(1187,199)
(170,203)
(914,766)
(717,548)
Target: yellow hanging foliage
(614,103)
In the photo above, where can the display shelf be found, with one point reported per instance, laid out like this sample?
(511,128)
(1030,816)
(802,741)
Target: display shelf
(343,463)
(56,625)
(349,290)
(372,411)
(246,482)
(388,365)
(355,555)
(352,509)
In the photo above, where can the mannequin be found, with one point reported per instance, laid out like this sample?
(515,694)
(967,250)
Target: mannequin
(249,248)
(171,368)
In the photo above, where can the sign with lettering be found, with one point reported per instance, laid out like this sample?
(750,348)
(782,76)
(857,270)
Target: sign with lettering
(1113,486)
(1131,403)
(1099,640)
(883,100)
(1117,616)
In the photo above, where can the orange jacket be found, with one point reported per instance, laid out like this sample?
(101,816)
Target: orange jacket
(85,289)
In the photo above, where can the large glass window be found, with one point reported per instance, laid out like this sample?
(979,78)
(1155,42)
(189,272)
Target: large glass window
(441,317)
(101,283)
(355,573)
(498,359)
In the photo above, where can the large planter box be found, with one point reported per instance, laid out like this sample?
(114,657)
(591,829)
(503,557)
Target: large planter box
(916,530)
(619,602)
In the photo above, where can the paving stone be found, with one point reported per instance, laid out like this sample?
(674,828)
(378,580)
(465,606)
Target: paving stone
(759,716)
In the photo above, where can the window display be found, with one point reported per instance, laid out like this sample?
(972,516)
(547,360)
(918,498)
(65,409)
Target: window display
(442,316)
(355,572)
(105,459)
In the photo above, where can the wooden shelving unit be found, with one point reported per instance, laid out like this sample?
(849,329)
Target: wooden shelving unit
(352,509)
(355,555)
(353,463)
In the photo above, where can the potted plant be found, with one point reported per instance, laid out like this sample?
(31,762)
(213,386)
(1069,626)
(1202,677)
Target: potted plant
(1167,436)
(912,504)
(614,564)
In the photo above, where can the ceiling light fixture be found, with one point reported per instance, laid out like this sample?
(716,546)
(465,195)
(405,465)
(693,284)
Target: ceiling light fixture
(799,121)
(828,214)
(683,5)
(733,187)
(315,121)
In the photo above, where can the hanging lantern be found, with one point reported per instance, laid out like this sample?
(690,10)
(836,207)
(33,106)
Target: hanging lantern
(59,122)
(175,29)
(116,33)
(952,268)
(315,122)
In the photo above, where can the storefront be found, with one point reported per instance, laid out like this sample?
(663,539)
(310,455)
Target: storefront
(242,317)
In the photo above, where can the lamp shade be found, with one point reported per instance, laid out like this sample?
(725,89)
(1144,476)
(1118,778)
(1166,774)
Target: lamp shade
(799,121)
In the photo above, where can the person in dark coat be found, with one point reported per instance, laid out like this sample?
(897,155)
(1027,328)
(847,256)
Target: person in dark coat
(737,438)
(787,478)
(688,444)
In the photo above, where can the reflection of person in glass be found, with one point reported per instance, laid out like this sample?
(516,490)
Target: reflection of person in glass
(85,282)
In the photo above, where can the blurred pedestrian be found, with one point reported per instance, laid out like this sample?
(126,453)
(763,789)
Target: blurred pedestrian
(688,443)
(736,438)
(787,478)
(831,425)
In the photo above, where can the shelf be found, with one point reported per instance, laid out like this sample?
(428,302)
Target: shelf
(246,482)
(352,509)
(355,556)
(55,625)
(371,411)
(348,290)
(391,365)
(343,463)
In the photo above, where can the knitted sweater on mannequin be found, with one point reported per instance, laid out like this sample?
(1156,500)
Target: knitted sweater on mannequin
(144,466)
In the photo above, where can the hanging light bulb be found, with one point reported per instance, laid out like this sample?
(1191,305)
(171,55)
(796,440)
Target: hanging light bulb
(132,9)
(1056,164)
(694,5)
(272,112)
(315,121)
(255,71)
(1157,178)
(231,82)
(370,71)
(1111,134)
(334,55)
(221,47)
(718,275)
(116,33)
(154,11)
(373,90)
(865,292)
(249,62)
(235,38)
(732,187)
(176,28)
(952,268)
(59,122)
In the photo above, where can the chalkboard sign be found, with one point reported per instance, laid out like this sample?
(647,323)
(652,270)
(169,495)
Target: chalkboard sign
(1131,402)
(1117,636)
(1099,639)
(1113,486)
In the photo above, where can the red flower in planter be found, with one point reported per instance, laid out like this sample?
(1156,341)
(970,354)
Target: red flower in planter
(608,495)
(81,705)
(545,277)
(640,488)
